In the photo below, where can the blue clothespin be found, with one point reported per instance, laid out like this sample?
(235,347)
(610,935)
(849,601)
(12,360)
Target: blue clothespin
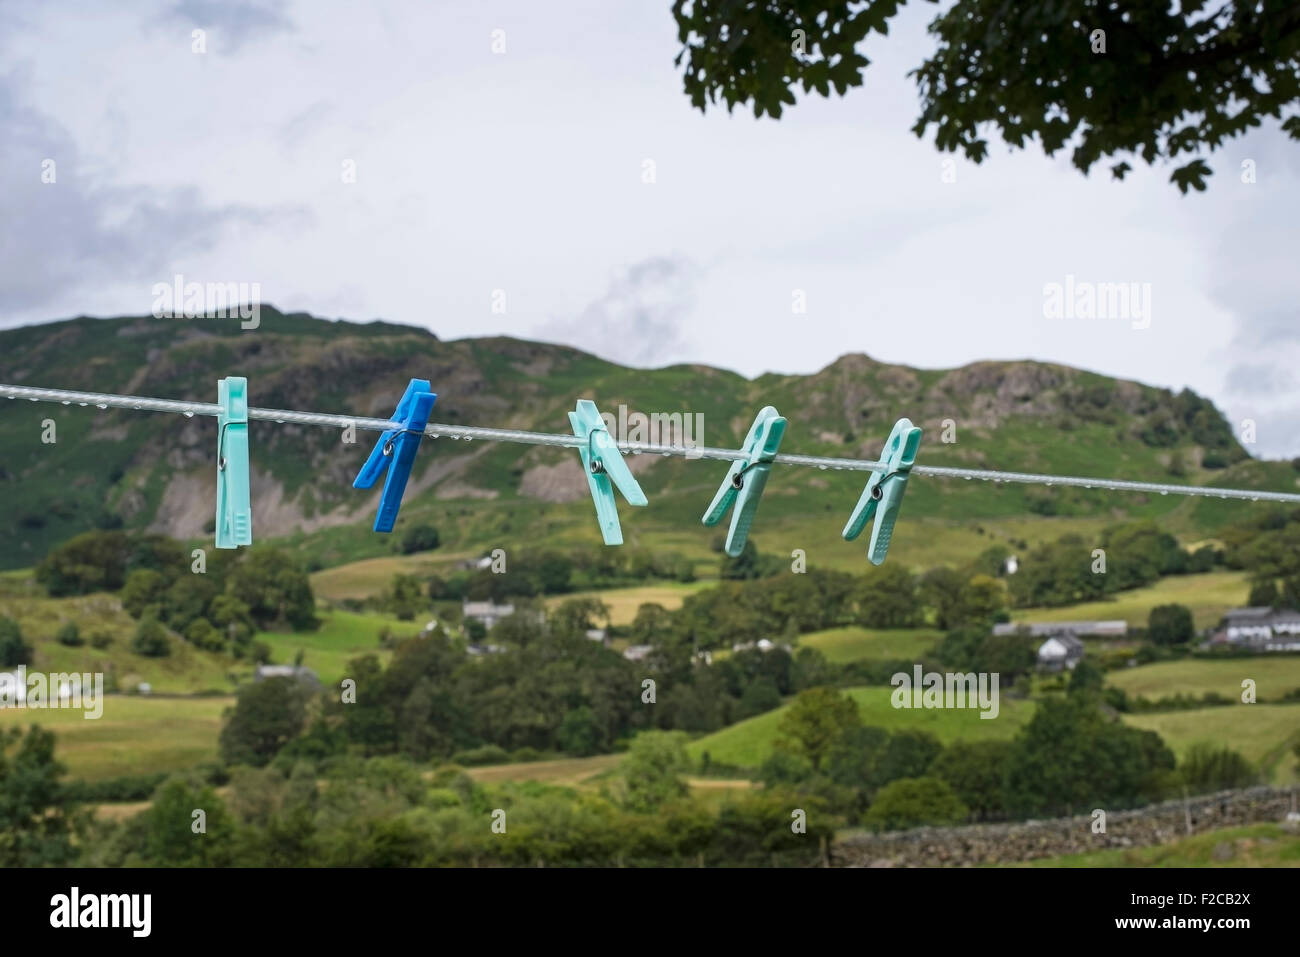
(747,478)
(884,492)
(234,503)
(395,451)
(604,464)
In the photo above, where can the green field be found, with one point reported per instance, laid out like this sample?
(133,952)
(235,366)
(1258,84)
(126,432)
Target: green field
(1256,845)
(1208,596)
(748,743)
(1263,733)
(860,644)
(135,735)
(624,602)
(185,671)
(342,636)
(1274,676)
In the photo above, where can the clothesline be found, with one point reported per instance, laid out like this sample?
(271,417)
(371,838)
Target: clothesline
(563,440)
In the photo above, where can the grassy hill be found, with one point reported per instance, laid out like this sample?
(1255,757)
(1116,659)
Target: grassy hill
(1263,733)
(341,637)
(146,470)
(1274,676)
(1208,596)
(748,744)
(840,645)
(135,735)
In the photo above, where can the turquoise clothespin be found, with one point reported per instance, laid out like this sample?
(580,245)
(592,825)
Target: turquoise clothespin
(884,492)
(234,503)
(747,478)
(604,464)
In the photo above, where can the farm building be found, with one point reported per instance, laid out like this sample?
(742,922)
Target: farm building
(1042,629)
(1260,629)
(1060,652)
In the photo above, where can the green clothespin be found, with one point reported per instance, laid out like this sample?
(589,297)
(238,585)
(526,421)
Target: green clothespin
(884,492)
(234,503)
(747,478)
(605,468)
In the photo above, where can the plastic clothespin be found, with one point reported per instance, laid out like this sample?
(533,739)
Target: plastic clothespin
(884,492)
(605,468)
(395,451)
(747,478)
(234,503)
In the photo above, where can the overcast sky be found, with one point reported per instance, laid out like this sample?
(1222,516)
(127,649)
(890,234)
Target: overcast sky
(524,173)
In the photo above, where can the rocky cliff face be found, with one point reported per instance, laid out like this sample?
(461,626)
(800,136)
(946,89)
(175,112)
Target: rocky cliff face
(154,471)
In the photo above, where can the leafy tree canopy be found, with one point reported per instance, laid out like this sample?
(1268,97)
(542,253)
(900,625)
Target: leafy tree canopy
(1160,82)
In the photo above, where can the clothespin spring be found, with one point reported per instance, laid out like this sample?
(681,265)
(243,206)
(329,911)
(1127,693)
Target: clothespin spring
(738,480)
(221,447)
(597,466)
(388,446)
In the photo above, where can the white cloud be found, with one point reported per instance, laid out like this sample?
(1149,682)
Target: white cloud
(523,172)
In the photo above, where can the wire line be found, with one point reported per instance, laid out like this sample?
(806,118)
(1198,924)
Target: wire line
(561,440)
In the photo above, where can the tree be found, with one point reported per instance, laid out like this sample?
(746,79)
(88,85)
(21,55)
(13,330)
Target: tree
(940,590)
(553,573)
(1212,76)
(165,832)
(144,588)
(743,566)
(94,561)
(576,616)
(759,696)
(274,588)
(1070,757)
(1263,594)
(267,715)
(911,802)
(13,650)
(201,634)
(651,769)
(69,634)
(1170,625)
(579,733)
(37,823)
(1009,655)
(982,597)
(810,726)
(908,755)
(405,597)
(1086,677)
(420,538)
(1207,767)
(886,598)
(150,638)
(974,770)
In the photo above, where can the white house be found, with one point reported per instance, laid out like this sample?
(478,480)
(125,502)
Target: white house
(1261,629)
(1060,652)
(487,612)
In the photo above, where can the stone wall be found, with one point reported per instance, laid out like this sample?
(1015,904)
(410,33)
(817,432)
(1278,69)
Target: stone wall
(1026,840)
